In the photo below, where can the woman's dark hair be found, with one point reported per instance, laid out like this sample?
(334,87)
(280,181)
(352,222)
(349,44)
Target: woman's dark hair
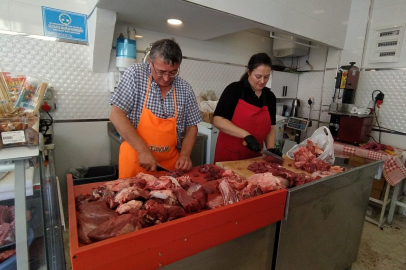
(255,61)
(168,50)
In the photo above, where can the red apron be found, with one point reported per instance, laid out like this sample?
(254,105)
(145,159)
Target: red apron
(250,118)
(159,134)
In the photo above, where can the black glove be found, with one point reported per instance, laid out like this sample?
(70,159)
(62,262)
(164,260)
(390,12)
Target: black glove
(275,151)
(252,143)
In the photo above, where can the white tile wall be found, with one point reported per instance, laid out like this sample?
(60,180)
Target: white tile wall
(393,84)
(310,85)
(4,15)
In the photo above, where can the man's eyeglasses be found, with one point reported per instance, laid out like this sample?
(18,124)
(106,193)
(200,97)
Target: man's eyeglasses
(171,74)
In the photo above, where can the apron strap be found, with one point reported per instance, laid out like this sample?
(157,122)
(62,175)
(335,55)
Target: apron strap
(174,98)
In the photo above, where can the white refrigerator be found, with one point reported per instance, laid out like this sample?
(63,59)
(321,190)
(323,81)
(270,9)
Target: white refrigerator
(212,133)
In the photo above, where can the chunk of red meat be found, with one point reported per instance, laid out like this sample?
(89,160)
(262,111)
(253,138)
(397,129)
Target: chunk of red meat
(129,207)
(131,193)
(211,172)
(197,192)
(166,195)
(228,194)
(90,216)
(236,182)
(114,227)
(6,234)
(163,182)
(303,154)
(174,212)
(188,203)
(313,148)
(216,202)
(266,181)
(146,219)
(272,159)
(4,255)
(5,214)
(250,191)
(155,209)
(184,181)
(176,173)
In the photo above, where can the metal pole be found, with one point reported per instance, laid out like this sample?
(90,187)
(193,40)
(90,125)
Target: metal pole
(20,216)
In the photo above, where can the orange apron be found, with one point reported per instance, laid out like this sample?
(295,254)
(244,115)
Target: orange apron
(159,134)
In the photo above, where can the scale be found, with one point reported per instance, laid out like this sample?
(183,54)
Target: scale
(298,124)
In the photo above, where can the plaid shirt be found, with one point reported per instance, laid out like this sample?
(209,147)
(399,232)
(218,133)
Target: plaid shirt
(132,89)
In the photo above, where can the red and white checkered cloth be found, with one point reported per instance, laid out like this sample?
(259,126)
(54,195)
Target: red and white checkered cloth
(394,169)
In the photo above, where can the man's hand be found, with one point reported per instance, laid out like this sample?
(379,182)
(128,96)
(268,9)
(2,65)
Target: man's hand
(252,143)
(147,161)
(184,163)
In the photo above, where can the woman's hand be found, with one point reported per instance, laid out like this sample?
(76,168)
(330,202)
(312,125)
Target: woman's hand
(252,143)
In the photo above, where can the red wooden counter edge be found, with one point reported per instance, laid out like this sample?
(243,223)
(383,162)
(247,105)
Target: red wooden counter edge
(166,243)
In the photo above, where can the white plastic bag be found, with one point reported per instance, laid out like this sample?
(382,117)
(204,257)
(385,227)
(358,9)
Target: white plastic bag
(323,140)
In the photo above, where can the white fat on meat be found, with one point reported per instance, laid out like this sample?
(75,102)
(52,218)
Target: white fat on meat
(266,181)
(129,207)
(147,177)
(161,194)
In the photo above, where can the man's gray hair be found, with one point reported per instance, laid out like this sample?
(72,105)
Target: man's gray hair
(168,50)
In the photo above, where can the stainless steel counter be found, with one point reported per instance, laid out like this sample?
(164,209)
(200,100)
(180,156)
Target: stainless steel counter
(323,221)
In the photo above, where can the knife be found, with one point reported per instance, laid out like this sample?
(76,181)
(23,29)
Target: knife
(267,153)
(270,154)
(159,168)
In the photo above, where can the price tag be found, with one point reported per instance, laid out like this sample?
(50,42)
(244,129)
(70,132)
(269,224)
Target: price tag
(13,137)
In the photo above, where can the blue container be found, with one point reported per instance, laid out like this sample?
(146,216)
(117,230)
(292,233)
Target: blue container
(126,48)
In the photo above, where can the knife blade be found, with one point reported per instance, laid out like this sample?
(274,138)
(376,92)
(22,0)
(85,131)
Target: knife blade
(270,154)
(265,152)
(159,168)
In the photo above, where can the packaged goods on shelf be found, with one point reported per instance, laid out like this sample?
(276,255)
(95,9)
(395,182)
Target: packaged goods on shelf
(20,130)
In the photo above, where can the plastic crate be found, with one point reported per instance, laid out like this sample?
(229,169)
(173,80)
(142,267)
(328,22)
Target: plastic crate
(98,174)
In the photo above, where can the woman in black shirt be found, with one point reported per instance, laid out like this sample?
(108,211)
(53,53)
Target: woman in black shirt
(246,112)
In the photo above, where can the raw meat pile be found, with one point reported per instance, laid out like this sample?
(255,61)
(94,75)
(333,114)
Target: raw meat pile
(126,205)
(295,179)
(211,172)
(7,228)
(306,159)
(236,188)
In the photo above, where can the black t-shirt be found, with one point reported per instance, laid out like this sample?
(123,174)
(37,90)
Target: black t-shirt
(230,96)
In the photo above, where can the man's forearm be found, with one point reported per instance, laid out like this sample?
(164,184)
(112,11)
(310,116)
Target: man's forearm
(188,141)
(126,129)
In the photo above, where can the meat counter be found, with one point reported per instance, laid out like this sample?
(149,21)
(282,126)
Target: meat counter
(323,220)
(235,235)
(28,191)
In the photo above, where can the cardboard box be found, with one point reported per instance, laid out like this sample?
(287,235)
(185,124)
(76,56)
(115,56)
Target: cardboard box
(207,117)
(376,194)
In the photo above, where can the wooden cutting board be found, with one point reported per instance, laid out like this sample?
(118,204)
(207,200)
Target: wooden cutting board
(240,166)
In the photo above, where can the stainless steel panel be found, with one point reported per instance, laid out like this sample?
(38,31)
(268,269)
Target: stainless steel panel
(324,220)
(251,251)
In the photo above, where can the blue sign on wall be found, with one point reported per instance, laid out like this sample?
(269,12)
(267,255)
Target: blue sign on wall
(64,24)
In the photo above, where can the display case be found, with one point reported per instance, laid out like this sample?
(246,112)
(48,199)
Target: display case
(30,223)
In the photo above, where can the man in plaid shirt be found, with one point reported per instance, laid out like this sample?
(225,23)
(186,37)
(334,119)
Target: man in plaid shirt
(151,107)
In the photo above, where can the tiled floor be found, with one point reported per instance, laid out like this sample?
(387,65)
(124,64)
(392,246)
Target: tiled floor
(380,249)
(383,249)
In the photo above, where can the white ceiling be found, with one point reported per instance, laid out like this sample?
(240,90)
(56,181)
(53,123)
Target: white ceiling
(199,22)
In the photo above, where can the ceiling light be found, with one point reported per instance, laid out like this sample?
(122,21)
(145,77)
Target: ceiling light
(43,37)
(10,32)
(174,21)
(138,36)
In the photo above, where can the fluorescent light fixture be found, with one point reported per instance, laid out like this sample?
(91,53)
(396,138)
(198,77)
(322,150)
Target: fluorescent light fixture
(10,32)
(138,36)
(43,37)
(174,21)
